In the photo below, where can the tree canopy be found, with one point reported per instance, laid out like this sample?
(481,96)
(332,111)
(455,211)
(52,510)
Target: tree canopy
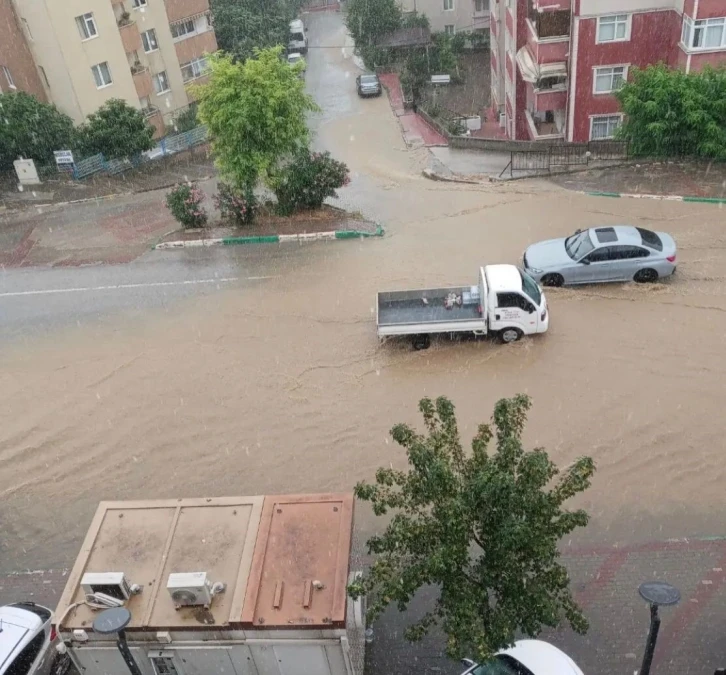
(255,113)
(31,129)
(369,20)
(117,130)
(670,113)
(481,527)
(242,26)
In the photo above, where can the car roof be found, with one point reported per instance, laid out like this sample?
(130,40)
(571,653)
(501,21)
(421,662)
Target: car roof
(612,234)
(296,25)
(19,626)
(542,658)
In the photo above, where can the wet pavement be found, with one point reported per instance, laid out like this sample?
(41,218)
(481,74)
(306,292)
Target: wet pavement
(279,384)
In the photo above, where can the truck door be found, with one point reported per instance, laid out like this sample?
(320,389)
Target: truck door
(515,310)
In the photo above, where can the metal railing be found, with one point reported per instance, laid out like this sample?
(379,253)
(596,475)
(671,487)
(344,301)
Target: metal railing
(566,154)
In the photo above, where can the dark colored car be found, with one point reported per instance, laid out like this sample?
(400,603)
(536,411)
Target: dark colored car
(368,85)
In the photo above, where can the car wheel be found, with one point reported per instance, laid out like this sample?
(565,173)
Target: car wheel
(646,276)
(553,280)
(421,342)
(508,335)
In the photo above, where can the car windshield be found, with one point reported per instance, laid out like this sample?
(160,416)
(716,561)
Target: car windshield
(650,239)
(530,287)
(578,245)
(501,665)
(368,79)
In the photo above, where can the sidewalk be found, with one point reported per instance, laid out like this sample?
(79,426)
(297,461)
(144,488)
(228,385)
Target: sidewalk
(416,131)
(605,581)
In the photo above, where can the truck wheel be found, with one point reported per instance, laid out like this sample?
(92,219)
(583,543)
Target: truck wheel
(646,276)
(555,280)
(508,335)
(421,342)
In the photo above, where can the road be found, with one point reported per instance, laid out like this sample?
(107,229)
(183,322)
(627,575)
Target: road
(253,385)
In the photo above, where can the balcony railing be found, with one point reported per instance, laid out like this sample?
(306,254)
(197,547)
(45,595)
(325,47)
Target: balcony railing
(543,129)
(149,111)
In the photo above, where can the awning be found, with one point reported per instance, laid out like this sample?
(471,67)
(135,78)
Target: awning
(533,72)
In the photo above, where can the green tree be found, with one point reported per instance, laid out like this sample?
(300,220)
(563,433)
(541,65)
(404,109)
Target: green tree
(255,113)
(481,527)
(671,113)
(369,20)
(31,129)
(117,130)
(242,26)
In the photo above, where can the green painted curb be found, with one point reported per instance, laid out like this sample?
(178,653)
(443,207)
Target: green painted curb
(357,234)
(706,200)
(230,241)
(603,194)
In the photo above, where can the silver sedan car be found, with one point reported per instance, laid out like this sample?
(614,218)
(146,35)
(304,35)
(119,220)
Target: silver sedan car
(601,254)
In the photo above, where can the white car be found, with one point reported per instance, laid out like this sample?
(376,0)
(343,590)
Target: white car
(527,657)
(27,641)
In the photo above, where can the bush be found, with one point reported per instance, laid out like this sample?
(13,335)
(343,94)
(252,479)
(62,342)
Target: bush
(116,129)
(308,180)
(239,206)
(185,203)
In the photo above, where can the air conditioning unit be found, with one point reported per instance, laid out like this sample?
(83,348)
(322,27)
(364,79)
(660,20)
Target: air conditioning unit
(113,584)
(191,589)
(502,120)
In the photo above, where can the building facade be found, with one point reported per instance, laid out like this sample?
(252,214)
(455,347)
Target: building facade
(451,16)
(557,63)
(146,52)
(17,69)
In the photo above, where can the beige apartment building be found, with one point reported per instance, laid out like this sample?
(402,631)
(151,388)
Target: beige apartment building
(146,52)
(451,16)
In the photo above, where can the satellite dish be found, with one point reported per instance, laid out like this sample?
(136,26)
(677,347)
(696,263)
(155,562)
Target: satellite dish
(112,620)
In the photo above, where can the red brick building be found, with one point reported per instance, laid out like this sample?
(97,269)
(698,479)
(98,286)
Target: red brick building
(556,63)
(17,68)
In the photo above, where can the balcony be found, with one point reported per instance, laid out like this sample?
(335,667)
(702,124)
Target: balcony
(546,126)
(142,81)
(195,46)
(177,10)
(130,36)
(552,24)
(541,75)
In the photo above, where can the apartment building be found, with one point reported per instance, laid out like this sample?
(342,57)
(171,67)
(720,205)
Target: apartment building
(17,70)
(143,51)
(451,16)
(557,63)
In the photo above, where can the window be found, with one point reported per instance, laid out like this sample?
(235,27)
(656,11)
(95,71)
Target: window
(627,252)
(449,29)
(578,245)
(448,5)
(606,235)
(45,77)
(650,239)
(182,28)
(8,77)
(193,69)
(23,662)
(481,6)
(86,26)
(515,300)
(27,28)
(602,254)
(138,3)
(102,75)
(609,79)
(530,287)
(163,665)
(148,39)
(704,33)
(613,28)
(604,126)
(161,82)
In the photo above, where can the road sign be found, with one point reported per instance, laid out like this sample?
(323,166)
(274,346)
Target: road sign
(63,157)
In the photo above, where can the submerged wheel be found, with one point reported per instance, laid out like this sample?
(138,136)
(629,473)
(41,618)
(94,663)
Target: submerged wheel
(554,280)
(421,342)
(508,335)
(646,276)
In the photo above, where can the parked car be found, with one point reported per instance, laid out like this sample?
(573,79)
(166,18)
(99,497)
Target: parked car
(368,85)
(27,641)
(527,657)
(294,58)
(600,254)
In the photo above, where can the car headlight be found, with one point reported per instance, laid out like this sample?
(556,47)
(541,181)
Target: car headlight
(536,270)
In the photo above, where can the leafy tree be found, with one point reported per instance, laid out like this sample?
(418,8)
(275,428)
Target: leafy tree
(185,121)
(255,113)
(117,130)
(482,527)
(31,129)
(669,112)
(242,26)
(370,20)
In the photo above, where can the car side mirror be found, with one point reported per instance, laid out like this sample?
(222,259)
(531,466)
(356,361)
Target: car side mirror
(468,662)
(578,231)
(584,261)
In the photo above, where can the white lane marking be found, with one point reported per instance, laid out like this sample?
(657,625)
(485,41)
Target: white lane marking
(119,287)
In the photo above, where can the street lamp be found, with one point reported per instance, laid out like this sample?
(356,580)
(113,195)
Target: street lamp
(655,593)
(112,621)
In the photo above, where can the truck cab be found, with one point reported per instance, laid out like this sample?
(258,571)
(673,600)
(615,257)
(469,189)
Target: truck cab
(514,302)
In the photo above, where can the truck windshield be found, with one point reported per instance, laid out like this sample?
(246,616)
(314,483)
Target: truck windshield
(530,287)
(297,37)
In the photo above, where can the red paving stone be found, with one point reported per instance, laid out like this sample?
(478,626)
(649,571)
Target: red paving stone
(416,128)
(392,85)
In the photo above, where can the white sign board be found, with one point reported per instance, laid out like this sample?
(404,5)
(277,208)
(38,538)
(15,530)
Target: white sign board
(63,157)
(26,172)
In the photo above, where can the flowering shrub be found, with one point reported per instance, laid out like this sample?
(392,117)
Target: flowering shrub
(308,180)
(239,206)
(185,203)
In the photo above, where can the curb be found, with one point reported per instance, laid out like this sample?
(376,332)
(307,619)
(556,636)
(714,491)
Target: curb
(668,198)
(270,239)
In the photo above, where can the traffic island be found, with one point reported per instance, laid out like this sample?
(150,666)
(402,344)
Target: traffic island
(269,228)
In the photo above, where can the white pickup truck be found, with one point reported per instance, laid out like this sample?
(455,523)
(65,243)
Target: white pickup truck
(506,302)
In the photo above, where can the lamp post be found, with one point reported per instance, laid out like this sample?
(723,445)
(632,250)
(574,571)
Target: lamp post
(112,621)
(655,593)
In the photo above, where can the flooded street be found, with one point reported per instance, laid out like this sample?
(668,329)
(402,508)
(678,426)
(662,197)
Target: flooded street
(281,385)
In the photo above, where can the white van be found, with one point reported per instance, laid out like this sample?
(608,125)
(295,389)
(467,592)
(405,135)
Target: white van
(298,41)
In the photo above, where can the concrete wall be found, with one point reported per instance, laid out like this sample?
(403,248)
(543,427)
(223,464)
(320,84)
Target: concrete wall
(16,56)
(463,15)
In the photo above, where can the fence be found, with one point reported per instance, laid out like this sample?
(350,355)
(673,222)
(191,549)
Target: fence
(564,155)
(169,145)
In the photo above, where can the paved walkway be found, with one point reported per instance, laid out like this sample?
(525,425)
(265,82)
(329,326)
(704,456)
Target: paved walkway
(605,581)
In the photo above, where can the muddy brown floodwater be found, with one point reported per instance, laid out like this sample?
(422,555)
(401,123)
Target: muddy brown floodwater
(283,386)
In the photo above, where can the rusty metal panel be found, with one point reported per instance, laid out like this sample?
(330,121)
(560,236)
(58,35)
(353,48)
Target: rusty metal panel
(300,565)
